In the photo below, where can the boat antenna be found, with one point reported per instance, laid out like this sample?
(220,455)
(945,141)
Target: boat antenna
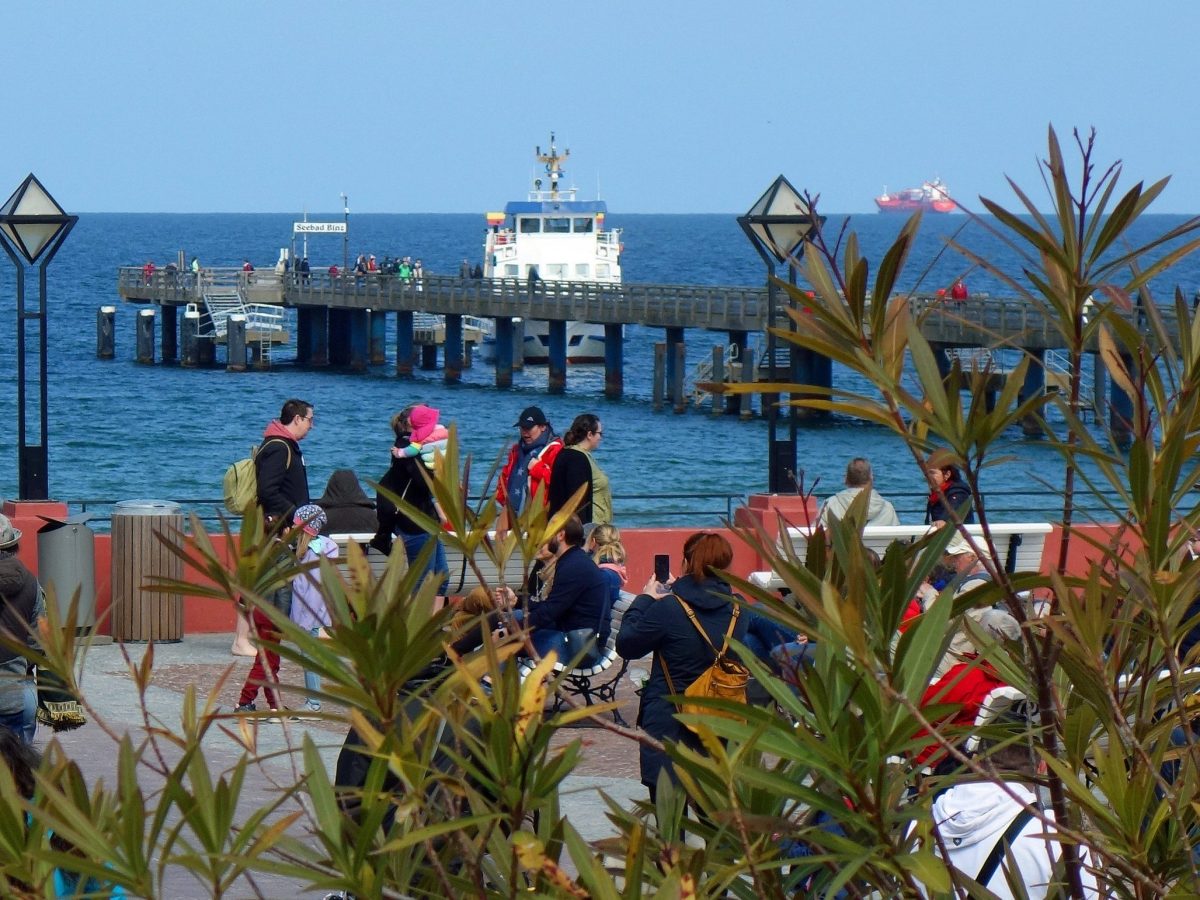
(552,160)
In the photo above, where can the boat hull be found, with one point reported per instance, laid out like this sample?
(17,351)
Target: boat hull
(585,344)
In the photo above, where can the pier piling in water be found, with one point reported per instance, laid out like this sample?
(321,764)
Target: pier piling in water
(170,332)
(452,349)
(1034,385)
(378,338)
(145,336)
(556,364)
(718,377)
(189,339)
(678,398)
(614,361)
(404,343)
(235,343)
(747,407)
(660,375)
(504,352)
(106,337)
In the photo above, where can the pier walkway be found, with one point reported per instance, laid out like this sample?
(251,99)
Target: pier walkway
(342,321)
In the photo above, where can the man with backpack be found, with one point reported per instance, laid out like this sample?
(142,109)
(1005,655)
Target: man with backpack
(279,466)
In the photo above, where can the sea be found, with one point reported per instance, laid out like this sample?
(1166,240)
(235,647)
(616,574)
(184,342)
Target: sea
(119,430)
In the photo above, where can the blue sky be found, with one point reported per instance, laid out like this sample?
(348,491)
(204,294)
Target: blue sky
(670,107)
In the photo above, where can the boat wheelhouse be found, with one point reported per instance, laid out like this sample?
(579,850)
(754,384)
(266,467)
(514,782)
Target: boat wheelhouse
(553,237)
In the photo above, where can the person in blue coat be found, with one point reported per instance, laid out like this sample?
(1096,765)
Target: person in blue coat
(578,597)
(657,623)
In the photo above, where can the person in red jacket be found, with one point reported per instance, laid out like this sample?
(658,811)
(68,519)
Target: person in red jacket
(526,473)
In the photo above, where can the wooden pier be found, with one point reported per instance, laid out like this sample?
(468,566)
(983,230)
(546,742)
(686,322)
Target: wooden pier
(342,320)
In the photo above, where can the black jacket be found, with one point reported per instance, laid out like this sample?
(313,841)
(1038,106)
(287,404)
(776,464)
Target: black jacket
(404,479)
(954,494)
(18,604)
(572,468)
(661,627)
(281,476)
(578,597)
(347,509)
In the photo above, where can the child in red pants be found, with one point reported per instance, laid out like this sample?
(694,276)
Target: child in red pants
(266,659)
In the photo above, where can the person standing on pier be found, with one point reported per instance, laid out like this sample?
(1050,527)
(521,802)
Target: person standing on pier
(526,473)
(576,467)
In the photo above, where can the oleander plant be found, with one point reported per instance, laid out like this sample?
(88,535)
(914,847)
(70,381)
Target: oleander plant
(812,791)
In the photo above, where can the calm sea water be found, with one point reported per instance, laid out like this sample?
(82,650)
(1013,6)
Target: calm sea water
(119,430)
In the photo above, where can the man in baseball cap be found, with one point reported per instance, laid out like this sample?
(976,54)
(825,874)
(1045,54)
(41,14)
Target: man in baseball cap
(526,473)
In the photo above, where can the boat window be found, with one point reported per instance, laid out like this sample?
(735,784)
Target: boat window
(511,270)
(603,270)
(582,269)
(558,226)
(556,271)
(583,226)
(530,225)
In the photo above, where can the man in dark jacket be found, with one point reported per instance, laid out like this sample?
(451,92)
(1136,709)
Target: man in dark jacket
(21,606)
(578,597)
(279,465)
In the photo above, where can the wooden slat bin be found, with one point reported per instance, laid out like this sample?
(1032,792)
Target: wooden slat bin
(139,556)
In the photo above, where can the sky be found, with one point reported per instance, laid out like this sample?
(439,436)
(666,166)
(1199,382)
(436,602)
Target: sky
(666,106)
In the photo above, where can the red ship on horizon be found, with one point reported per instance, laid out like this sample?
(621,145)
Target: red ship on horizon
(931,196)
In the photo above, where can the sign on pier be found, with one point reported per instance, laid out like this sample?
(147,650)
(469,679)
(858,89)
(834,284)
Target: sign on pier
(318,227)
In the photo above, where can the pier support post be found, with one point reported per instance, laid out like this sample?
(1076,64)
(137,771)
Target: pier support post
(675,363)
(189,339)
(1034,385)
(404,343)
(718,377)
(678,397)
(453,349)
(660,376)
(235,344)
(360,339)
(145,337)
(746,407)
(378,353)
(504,351)
(170,333)
(518,345)
(207,348)
(737,403)
(339,336)
(1120,408)
(614,361)
(106,334)
(429,357)
(556,367)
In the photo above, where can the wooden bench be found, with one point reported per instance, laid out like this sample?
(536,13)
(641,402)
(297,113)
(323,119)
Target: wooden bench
(600,681)
(1020,544)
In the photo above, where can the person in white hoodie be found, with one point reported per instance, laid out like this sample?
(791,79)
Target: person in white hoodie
(859,478)
(979,823)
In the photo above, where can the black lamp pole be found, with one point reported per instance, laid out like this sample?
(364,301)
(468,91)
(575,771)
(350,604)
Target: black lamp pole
(777,226)
(32,227)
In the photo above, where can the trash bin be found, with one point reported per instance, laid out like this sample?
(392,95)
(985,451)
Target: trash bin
(67,563)
(140,556)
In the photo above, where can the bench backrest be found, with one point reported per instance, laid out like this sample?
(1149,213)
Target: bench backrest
(609,653)
(1020,545)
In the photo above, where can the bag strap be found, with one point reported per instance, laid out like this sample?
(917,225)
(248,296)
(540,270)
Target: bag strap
(691,614)
(276,440)
(1006,840)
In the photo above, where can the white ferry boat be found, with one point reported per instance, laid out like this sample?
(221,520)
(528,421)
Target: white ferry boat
(553,237)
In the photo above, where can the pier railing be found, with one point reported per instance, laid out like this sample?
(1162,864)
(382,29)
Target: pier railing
(980,320)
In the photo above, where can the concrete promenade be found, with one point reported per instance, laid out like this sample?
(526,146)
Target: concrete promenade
(609,762)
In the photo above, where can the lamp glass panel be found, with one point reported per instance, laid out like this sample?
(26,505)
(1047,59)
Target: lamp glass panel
(36,202)
(34,237)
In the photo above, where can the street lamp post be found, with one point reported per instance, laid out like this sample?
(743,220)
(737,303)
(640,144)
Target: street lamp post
(777,225)
(32,227)
(346,236)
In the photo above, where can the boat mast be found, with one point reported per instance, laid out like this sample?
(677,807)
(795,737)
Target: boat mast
(551,159)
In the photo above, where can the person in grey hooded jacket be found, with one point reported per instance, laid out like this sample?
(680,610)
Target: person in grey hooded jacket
(859,478)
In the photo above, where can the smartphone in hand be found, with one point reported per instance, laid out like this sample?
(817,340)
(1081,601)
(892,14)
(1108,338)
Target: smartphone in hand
(662,568)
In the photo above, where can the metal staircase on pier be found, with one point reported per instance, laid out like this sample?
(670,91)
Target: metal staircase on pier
(264,321)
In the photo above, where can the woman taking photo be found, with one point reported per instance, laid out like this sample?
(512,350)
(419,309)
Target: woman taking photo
(576,467)
(658,623)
